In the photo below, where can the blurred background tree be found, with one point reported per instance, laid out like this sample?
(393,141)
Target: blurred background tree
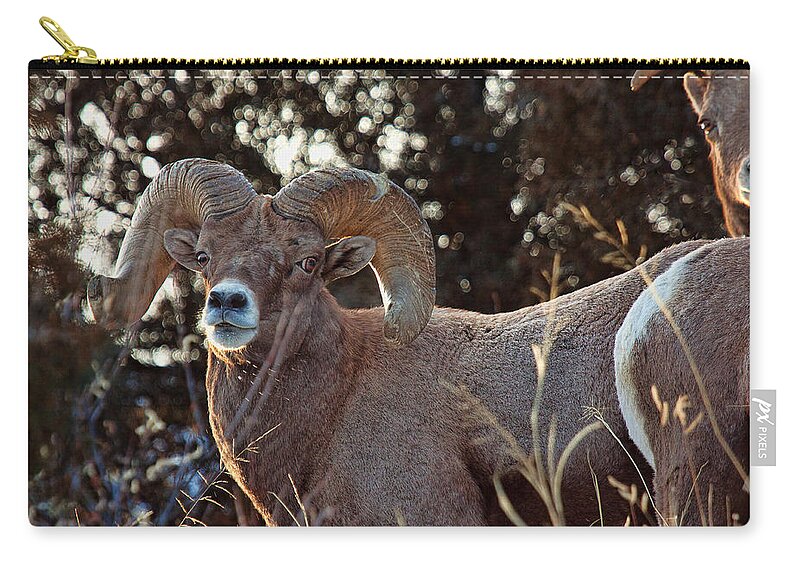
(507,172)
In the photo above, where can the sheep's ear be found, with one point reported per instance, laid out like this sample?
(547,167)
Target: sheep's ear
(695,87)
(181,244)
(347,257)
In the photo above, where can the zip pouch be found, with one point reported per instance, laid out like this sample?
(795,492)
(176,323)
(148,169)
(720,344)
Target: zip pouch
(554,329)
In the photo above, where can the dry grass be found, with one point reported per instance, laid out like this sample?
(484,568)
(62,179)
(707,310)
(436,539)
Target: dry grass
(216,483)
(598,415)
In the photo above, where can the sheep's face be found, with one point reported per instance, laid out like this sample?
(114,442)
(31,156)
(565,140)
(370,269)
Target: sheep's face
(257,265)
(723,109)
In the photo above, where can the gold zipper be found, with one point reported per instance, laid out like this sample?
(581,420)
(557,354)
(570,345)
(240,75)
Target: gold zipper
(72,51)
(75,54)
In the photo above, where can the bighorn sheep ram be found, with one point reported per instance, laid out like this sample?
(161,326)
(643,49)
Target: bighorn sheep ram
(722,103)
(407,414)
(682,359)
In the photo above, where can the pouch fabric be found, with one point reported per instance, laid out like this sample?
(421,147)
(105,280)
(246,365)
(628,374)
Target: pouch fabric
(546,387)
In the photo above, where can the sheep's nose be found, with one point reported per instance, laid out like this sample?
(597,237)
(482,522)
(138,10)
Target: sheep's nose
(236,300)
(230,304)
(215,299)
(223,298)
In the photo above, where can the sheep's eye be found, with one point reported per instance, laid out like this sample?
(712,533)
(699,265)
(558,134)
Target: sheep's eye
(308,264)
(202,258)
(707,125)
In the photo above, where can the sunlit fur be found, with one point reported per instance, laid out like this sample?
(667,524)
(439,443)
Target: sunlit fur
(724,103)
(721,100)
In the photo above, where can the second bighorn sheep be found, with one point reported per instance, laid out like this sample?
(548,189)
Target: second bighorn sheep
(682,359)
(407,414)
(722,102)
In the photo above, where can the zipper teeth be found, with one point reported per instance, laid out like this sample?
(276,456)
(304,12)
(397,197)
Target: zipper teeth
(448,63)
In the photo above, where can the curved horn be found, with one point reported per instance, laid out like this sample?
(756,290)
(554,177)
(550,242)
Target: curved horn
(183,194)
(642,76)
(348,202)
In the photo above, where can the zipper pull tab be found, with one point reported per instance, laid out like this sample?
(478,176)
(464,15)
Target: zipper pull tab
(72,52)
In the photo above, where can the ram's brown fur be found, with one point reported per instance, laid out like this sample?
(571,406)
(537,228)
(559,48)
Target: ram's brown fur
(320,417)
(372,434)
